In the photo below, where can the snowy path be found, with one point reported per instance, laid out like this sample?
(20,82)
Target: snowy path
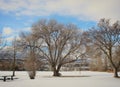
(45,79)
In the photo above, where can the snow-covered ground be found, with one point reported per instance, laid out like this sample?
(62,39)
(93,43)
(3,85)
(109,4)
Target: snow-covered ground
(69,79)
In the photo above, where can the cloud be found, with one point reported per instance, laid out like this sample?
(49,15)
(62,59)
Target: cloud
(81,9)
(7,31)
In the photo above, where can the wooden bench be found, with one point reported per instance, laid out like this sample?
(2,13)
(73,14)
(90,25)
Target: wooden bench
(7,77)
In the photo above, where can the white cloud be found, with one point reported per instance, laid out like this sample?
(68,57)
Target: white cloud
(7,31)
(82,9)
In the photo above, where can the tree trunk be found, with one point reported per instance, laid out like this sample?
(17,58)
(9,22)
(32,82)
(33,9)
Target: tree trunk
(116,73)
(56,72)
(13,73)
(14,64)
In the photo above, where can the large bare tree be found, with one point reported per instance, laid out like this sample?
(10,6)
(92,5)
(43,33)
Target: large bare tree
(60,42)
(106,37)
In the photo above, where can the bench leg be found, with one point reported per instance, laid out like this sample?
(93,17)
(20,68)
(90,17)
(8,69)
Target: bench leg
(11,77)
(4,79)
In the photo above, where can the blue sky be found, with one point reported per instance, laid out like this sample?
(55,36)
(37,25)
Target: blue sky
(19,15)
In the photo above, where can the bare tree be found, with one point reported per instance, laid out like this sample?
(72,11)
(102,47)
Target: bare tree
(60,42)
(28,44)
(14,44)
(98,60)
(30,64)
(106,38)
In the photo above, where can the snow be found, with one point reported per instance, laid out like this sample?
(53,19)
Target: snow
(69,79)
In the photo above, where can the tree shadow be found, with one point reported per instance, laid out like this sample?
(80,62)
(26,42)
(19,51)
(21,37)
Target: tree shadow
(76,76)
(67,76)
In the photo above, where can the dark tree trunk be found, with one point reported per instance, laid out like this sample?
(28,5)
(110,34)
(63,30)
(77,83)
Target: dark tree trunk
(116,73)
(14,62)
(13,73)
(56,71)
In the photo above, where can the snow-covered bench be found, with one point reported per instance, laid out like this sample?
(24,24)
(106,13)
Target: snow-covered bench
(7,77)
